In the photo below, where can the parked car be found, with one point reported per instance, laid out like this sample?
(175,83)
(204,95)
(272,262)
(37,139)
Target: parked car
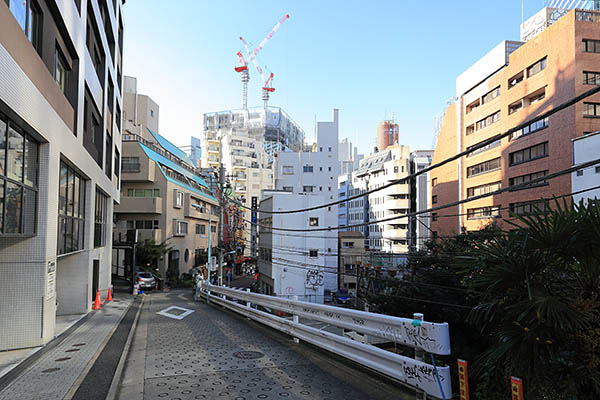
(146,280)
(342,296)
(327,296)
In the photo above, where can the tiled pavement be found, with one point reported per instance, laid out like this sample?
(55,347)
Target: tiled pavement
(56,372)
(215,354)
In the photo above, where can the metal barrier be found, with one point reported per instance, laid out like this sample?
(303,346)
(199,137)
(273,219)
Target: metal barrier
(421,335)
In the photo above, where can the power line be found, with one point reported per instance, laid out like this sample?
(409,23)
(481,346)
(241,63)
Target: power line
(480,145)
(447,205)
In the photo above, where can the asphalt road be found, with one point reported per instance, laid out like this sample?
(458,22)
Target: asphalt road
(200,351)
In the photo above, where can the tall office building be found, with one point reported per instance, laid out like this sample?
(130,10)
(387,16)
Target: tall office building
(60,146)
(387,134)
(513,83)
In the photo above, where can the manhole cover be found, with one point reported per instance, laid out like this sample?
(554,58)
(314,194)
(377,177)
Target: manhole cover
(248,355)
(50,370)
(63,359)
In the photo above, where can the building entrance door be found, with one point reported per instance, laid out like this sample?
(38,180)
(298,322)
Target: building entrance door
(95,278)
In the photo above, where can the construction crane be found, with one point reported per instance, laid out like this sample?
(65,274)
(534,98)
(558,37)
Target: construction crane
(243,63)
(267,82)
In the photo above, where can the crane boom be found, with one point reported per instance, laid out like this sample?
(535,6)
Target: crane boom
(269,36)
(258,68)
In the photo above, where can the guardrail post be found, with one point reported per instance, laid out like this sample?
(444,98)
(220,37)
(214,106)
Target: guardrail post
(296,321)
(417,319)
(248,303)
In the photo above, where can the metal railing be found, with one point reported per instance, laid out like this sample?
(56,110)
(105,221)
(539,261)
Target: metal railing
(422,336)
(161,151)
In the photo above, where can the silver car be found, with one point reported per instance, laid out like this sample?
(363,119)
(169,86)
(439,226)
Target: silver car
(146,280)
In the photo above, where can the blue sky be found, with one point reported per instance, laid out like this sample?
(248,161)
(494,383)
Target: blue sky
(368,58)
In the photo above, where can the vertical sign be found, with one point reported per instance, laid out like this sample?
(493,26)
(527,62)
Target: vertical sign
(253,227)
(254,207)
(516,388)
(463,380)
(51,280)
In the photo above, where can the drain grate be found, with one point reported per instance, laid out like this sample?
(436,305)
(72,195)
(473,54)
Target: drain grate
(50,370)
(63,359)
(248,355)
(71,350)
(78,344)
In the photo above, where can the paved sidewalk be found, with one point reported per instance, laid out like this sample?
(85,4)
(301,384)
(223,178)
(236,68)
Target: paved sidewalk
(60,370)
(212,353)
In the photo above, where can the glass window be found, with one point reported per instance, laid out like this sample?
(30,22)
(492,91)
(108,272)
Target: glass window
(14,198)
(100,219)
(19,11)
(31,156)
(60,71)
(1,205)
(14,164)
(2,143)
(71,210)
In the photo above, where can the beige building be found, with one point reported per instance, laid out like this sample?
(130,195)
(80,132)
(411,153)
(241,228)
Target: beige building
(162,193)
(351,255)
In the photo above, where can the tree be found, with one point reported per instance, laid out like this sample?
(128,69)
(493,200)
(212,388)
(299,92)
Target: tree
(148,252)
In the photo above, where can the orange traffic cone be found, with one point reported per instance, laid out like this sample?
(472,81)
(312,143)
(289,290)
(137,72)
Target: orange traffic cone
(109,297)
(97,303)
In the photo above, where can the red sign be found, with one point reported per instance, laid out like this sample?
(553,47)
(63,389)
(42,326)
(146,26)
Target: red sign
(463,380)
(516,388)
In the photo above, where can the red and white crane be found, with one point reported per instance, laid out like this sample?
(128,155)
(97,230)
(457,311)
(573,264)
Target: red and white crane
(267,82)
(243,65)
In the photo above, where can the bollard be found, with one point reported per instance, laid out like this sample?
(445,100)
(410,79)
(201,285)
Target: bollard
(296,321)
(417,319)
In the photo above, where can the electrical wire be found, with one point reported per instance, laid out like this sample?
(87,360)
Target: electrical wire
(480,145)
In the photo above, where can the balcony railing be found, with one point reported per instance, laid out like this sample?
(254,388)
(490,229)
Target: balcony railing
(130,167)
(161,151)
(587,16)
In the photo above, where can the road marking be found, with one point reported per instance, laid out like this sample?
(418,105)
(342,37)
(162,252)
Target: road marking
(166,312)
(182,297)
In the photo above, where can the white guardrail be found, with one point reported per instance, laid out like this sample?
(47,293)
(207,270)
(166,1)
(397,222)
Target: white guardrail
(428,336)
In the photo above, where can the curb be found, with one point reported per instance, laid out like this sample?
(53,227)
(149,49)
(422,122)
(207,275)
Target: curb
(114,386)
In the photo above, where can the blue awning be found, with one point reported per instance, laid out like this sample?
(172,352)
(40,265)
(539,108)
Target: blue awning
(171,148)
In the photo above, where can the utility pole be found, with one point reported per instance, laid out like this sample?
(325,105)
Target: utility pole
(221,208)
(209,257)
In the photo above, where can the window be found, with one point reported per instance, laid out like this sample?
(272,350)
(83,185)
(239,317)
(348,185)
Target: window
(528,154)
(313,221)
(178,199)
(495,143)
(483,189)
(93,140)
(60,71)
(200,229)
(330,149)
(515,80)
(143,192)
(395,169)
(537,67)
(533,127)
(329,169)
(181,228)
(71,210)
(598,170)
(591,110)
(307,188)
(100,219)
(287,170)
(473,106)
(313,253)
(213,229)
(519,180)
(491,95)
(484,212)
(514,107)
(591,46)
(18,180)
(528,207)
(142,224)
(288,188)
(434,199)
(29,17)
(487,121)
(484,167)
(433,182)
(434,216)
(580,172)
(591,78)
(308,168)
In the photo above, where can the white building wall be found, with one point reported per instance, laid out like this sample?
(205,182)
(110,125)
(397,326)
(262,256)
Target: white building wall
(586,148)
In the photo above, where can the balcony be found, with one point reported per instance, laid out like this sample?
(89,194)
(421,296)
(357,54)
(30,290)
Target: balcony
(212,137)
(240,176)
(140,205)
(395,234)
(397,204)
(213,149)
(143,234)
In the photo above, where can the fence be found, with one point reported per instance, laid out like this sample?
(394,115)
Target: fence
(421,335)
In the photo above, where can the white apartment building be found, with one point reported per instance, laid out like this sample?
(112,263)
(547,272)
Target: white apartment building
(244,142)
(312,175)
(420,231)
(376,170)
(349,161)
(585,149)
(60,146)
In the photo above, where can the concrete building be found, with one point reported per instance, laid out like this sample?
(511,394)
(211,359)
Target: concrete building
(376,170)
(419,228)
(139,109)
(307,178)
(349,162)
(586,148)
(195,153)
(351,258)
(511,84)
(60,146)
(388,133)
(163,195)
(245,141)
